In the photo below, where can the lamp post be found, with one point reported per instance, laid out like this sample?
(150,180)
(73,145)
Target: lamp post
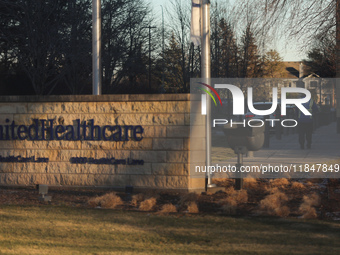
(96,48)
(320,92)
(149,75)
(162,89)
(206,75)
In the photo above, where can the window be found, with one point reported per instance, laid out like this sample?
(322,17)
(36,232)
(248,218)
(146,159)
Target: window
(313,84)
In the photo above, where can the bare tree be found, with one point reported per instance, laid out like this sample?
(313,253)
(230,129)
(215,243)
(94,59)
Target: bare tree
(33,32)
(77,46)
(51,42)
(125,44)
(179,25)
(301,19)
(224,48)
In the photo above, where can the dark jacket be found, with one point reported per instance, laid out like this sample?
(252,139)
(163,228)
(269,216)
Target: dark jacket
(312,107)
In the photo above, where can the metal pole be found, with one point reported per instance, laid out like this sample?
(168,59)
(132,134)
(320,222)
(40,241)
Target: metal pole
(206,75)
(96,48)
(150,58)
(266,134)
(162,89)
(320,93)
(338,65)
(239,180)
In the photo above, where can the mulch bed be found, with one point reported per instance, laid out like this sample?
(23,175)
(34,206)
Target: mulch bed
(207,203)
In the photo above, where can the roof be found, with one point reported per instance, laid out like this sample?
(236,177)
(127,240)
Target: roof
(291,70)
(311,75)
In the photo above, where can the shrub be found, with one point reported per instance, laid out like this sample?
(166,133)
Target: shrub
(298,186)
(186,200)
(148,204)
(136,199)
(229,207)
(233,200)
(250,183)
(192,207)
(94,202)
(274,204)
(307,208)
(249,180)
(110,200)
(280,183)
(168,208)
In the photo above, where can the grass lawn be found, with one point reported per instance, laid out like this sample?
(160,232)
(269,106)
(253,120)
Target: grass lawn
(220,149)
(66,230)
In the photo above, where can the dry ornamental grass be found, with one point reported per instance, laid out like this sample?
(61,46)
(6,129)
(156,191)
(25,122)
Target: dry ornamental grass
(136,199)
(148,204)
(280,183)
(298,186)
(186,200)
(282,192)
(274,204)
(168,208)
(307,208)
(192,208)
(250,183)
(233,200)
(109,201)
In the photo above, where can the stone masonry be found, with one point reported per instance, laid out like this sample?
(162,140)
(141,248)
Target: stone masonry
(164,147)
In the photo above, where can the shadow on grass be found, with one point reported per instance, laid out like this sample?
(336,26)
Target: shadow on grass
(73,230)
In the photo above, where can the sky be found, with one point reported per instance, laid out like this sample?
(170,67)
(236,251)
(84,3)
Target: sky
(287,50)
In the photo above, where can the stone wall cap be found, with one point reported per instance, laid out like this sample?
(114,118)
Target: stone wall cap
(94,98)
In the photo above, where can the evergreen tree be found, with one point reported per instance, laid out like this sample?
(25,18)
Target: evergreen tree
(229,51)
(251,61)
(322,57)
(224,53)
(273,64)
(173,68)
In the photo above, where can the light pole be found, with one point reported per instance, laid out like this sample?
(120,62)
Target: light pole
(149,27)
(320,91)
(96,48)
(206,75)
(162,89)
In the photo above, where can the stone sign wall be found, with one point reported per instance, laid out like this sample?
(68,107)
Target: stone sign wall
(104,141)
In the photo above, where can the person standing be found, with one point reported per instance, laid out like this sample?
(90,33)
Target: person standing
(305,124)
